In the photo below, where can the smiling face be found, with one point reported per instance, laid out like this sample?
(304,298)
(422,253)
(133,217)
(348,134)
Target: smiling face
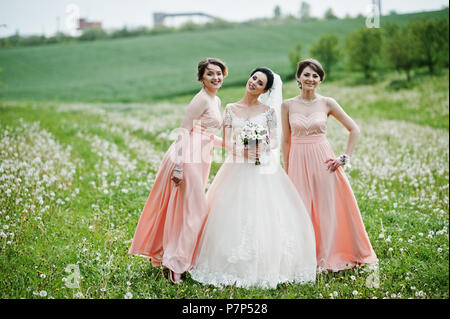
(212,77)
(256,83)
(309,79)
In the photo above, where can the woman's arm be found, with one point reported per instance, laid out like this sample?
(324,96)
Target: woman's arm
(218,141)
(195,108)
(338,112)
(286,138)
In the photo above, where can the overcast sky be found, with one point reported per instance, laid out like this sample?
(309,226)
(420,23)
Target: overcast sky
(44,16)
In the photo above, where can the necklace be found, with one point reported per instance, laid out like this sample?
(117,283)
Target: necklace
(308,101)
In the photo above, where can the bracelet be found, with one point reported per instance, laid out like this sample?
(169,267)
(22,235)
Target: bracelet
(179,170)
(344,158)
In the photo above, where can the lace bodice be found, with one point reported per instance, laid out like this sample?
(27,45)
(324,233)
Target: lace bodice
(267,119)
(313,124)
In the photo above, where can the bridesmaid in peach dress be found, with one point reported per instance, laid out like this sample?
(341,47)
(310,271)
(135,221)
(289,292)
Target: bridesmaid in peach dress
(341,239)
(172,219)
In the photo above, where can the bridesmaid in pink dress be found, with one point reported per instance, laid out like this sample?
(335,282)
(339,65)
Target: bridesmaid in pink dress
(341,238)
(172,219)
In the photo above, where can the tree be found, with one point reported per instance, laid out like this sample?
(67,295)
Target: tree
(431,39)
(329,15)
(305,12)
(277,12)
(363,48)
(93,34)
(399,49)
(295,56)
(326,50)
(189,26)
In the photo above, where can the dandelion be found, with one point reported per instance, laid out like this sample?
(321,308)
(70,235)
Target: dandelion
(79,294)
(419,293)
(43,293)
(354,292)
(128,295)
(439,250)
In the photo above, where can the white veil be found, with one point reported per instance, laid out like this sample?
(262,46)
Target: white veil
(274,98)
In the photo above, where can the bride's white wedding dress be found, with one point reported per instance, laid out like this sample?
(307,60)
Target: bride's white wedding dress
(258,232)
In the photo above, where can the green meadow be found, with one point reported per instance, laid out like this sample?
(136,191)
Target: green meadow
(83,128)
(145,69)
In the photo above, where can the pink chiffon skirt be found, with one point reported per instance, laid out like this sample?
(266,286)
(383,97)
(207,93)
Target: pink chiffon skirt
(341,239)
(172,219)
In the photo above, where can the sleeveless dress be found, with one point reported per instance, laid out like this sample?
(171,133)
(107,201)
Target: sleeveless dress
(257,233)
(341,239)
(171,221)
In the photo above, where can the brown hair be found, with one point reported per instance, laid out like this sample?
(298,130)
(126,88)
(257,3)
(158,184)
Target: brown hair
(204,63)
(313,64)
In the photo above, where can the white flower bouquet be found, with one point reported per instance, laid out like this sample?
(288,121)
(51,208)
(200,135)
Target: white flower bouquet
(254,134)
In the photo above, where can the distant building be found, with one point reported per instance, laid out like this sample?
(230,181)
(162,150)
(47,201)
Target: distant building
(83,24)
(176,19)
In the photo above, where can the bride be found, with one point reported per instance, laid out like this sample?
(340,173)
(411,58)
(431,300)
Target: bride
(258,232)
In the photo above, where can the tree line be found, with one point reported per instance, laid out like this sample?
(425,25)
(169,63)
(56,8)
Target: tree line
(420,43)
(93,34)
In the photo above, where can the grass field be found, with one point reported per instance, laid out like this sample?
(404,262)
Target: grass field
(145,69)
(75,176)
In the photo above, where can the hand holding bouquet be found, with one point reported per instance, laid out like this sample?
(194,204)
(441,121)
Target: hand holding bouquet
(254,134)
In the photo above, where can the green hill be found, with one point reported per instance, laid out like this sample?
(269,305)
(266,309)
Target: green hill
(143,69)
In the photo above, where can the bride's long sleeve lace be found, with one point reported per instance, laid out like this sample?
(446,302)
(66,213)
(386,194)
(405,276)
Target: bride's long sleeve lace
(273,132)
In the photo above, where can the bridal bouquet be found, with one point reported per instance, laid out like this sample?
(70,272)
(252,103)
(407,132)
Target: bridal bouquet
(254,134)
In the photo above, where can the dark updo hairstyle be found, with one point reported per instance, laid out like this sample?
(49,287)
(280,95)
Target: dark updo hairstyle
(269,74)
(204,63)
(313,64)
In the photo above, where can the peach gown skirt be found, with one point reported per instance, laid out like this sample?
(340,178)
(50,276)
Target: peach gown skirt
(341,239)
(172,219)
